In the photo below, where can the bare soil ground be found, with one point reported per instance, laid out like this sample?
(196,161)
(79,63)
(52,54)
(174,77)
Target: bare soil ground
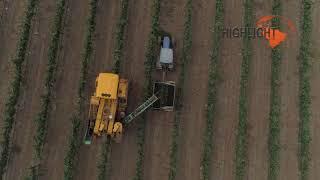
(9,30)
(315,89)
(259,101)
(226,121)
(36,61)
(159,124)
(289,97)
(124,155)
(195,92)
(107,14)
(65,96)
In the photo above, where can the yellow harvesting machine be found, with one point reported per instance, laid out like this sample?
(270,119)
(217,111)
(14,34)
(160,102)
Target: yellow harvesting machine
(107,112)
(107,106)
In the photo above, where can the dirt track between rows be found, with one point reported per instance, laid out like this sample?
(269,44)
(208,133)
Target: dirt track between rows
(226,121)
(259,101)
(289,90)
(9,30)
(159,123)
(195,92)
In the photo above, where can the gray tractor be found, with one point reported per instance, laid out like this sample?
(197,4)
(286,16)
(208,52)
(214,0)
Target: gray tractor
(165,60)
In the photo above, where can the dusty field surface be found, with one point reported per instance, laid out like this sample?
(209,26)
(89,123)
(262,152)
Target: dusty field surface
(226,121)
(9,29)
(64,102)
(159,124)
(259,101)
(36,61)
(315,89)
(107,14)
(124,155)
(289,98)
(195,92)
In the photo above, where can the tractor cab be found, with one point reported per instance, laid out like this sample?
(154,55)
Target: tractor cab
(165,60)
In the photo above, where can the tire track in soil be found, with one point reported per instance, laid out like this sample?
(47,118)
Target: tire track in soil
(226,122)
(259,101)
(2,9)
(289,93)
(11,18)
(32,88)
(124,155)
(9,35)
(315,89)
(193,120)
(65,96)
(157,146)
(106,19)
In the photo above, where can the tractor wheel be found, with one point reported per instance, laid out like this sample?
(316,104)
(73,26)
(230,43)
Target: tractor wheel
(173,43)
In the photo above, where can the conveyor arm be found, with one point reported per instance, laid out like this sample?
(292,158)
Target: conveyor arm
(140,109)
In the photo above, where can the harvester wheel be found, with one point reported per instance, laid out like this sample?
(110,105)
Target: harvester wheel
(122,115)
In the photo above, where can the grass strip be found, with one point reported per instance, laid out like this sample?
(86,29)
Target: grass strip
(274,114)
(185,58)
(75,138)
(241,138)
(149,68)
(304,90)
(212,91)
(15,86)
